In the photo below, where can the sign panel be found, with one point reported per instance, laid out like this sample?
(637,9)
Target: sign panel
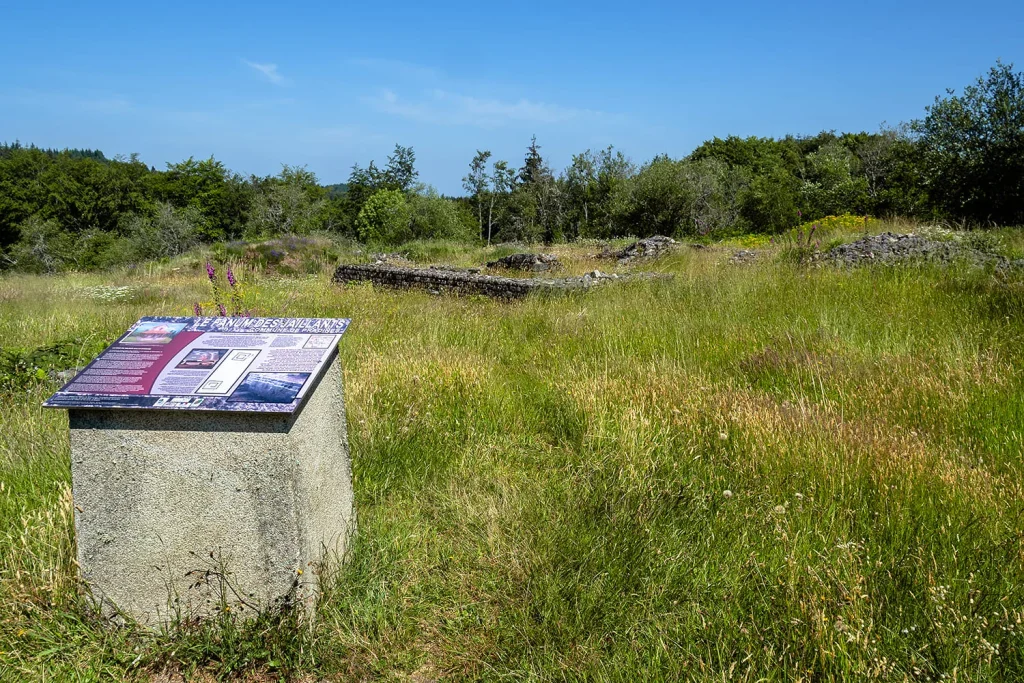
(251,365)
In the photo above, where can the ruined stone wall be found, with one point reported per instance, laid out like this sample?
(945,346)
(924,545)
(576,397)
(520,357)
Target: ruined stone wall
(450,281)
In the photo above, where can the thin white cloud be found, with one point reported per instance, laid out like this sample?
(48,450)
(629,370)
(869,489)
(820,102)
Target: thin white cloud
(342,134)
(443,107)
(268,70)
(101,103)
(395,67)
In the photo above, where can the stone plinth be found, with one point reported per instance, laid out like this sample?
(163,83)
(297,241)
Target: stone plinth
(188,512)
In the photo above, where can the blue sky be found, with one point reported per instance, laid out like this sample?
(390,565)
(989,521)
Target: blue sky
(330,84)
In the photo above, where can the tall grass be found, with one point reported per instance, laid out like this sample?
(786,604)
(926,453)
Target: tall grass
(745,473)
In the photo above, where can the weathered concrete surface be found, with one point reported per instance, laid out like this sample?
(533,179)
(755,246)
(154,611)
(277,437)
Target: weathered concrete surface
(188,512)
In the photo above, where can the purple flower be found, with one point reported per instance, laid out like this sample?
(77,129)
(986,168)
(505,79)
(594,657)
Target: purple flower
(197,308)
(231,278)
(210,273)
(223,311)
(799,213)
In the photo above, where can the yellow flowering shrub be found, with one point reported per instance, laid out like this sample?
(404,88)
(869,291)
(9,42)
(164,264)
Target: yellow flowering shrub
(844,223)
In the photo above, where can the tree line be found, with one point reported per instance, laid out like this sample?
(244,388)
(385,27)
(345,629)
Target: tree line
(962,161)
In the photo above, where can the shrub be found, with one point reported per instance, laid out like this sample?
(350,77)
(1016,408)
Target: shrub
(770,203)
(682,198)
(44,247)
(434,217)
(385,217)
(168,232)
(833,181)
(290,204)
(845,223)
(973,149)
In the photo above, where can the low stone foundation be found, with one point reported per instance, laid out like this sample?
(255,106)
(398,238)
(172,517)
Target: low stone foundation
(437,280)
(452,281)
(527,261)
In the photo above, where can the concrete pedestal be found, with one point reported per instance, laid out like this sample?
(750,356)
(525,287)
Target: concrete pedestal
(188,512)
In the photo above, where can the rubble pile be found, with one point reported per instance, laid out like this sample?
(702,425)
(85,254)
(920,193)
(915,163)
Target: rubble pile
(527,261)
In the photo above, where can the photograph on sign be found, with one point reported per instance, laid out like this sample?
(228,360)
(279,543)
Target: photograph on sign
(231,364)
(202,359)
(154,333)
(269,387)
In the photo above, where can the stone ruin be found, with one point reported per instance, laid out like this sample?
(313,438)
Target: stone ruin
(648,247)
(893,248)
(527,261)
(462,281)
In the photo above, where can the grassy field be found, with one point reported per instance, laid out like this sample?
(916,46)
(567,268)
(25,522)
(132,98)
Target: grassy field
(757,472)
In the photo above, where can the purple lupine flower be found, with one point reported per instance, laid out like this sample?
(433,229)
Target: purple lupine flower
(223,311)
(197,308)
(210,272)
(231,278)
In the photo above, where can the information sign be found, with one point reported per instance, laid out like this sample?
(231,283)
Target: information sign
(253,365)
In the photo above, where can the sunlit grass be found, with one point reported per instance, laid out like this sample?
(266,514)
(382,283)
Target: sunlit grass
(758,472)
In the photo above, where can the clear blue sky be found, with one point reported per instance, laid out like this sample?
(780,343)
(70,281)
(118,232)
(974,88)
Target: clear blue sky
(329,84)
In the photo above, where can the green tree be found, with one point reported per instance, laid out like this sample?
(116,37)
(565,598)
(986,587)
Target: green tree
(292,203)
(771,201)
(401,173)
(435,217)
(580,192)
(385,218)
(538,198)
(833,183)
(45,247)
(169,231)
(222,197)
(973,148)
(476,183)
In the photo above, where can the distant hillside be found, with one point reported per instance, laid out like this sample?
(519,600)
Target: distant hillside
(336,190)
(7,148)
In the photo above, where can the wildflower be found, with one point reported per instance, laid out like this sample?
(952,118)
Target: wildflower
(727,493)
(210,272)
(722,436)
(223,311)
(231,278)
(197,308)
(799,213)
(780,509)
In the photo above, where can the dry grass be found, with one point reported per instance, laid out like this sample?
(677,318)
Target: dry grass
(747,473)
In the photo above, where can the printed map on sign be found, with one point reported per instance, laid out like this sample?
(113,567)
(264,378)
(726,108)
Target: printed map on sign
(254,365)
